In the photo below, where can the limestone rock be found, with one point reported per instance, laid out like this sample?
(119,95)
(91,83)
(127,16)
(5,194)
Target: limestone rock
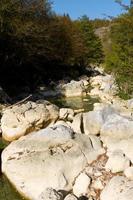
(129,173)
(71,197)
(104,87)
(50,158)
(92,122)
(97,185)
(66,113)
(74,88)
(123,145)
(63,123)
(50,194)
(22,119)
(77,123)
(81,185)
(118,127)
(117,162)
(118,188)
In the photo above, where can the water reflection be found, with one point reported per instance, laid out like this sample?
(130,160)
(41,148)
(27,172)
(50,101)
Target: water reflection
(85,103)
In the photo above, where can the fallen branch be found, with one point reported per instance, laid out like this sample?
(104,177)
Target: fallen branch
(19,102)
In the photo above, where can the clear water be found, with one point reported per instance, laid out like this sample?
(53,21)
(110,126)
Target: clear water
(85,102)
(7,192)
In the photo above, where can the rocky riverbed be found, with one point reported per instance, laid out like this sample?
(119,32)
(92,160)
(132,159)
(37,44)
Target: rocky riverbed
(70,152)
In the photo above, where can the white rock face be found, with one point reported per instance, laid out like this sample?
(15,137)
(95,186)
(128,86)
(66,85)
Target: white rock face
(66,113)
(50,158)
(98,185)
(103,86)
(22,119)
(117,162)
(50,194)
(117,127)
(71,197)
(74,88)
(119,188)
(81,185)
(125,145)
(92,122)
(129,173)
(77,123)
(63,123)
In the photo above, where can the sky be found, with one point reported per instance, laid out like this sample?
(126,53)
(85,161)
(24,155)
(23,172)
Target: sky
(91,8)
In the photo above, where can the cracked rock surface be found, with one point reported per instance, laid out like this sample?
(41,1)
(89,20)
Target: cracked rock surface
(51,158)
(23,119)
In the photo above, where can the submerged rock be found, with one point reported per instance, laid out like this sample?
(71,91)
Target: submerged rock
(53,157)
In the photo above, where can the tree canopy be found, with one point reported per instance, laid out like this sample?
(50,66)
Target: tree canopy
(120,58)
(35,43)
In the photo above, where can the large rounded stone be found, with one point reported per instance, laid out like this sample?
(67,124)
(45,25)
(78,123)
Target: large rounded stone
(22,119)
(119,188)
(50,158)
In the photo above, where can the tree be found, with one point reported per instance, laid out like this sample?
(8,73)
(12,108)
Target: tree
(93,47)
(120,59)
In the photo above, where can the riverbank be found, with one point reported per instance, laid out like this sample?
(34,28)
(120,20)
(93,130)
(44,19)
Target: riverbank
(74,151)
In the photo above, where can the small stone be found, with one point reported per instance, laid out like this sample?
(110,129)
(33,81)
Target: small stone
(81,185)
(66,113)
(89,170)
(98,185)
(98,174)
(91,198)
(92,193)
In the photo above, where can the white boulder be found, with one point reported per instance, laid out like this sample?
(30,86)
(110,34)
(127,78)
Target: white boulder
(66,113)
(50,194)
(117,126)
(51,158)
(129,172)
(117,162)
(118,188)
(23,119)
(74,88)
(92,122)
(77,123)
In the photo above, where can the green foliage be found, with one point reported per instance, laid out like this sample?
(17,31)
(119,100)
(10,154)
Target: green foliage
(34,41)
(93,47)
(120,59)
(98,23)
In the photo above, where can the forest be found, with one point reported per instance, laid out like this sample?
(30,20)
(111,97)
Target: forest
(37,45)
